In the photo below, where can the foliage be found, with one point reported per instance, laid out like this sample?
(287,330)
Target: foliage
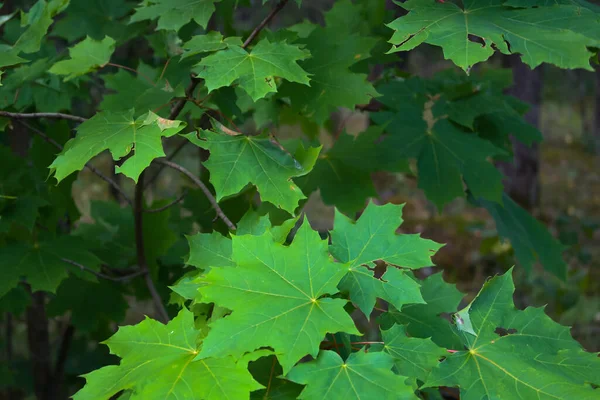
(264,304)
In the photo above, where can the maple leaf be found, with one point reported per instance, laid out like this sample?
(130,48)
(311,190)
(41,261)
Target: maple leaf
(80,298)
(515,354)
(209,249)
(37,20)
(137,93)
(86,56)
(530,239)
(425,320)
(173,14)
(362,376)
(414,357)
(157,362)
(293,280)
(557,34)
(373,238)
(445,154)
(254,71)
(121,134)
(343,174)
(334,49)
(208,43)
(41,264)
(236,161)
(106,19)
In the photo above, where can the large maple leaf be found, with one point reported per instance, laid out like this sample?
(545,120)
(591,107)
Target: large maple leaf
(236,161)
(555,33)
(255,71)
(173,14)
(278,296)
(373,238)
(513,354)
(121,134)
(157,362)
(362,376)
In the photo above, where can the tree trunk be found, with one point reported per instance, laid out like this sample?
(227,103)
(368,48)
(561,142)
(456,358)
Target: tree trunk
(522,175)
(39,345)
(597,112)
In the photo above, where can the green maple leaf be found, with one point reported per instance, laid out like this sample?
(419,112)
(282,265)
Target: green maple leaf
(445,154)
(252,223)
(530,239)
(515,354)
(38,19)
(80,298)
(362,376)
(121,134)
(173,14)
(334,49)
(104,19)
(293,281)
(414,357)
(41,264)
(343,174)
(9,57)
(157,362)
(557,34)
(236,161)
(254,71)
(424,320)
(208,43)
(134,92)
(86,56)
(373,238)
(209,249)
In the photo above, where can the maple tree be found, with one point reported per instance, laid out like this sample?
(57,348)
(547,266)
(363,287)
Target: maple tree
(250,301)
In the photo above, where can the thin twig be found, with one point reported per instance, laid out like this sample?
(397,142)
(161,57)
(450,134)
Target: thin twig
(203,187)
(138,214)
(189,91)
(100,274)
(264,22)
(54,143)
(42,115)
(162,166)
(132,70)
(171,204)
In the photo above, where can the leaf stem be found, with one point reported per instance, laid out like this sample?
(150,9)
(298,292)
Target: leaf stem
(203,187)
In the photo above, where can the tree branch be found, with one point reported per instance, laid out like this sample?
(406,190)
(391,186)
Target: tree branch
(162,166)
(171,204)
(87,165)
(42,115)
(100,274)
(264,22)
(203,187)
(138,214)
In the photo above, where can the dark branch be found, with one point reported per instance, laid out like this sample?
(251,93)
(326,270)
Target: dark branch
(42,115)
(203,187)
(138,211)
(87,165)
(264,22)
(171,204)
(100,274)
